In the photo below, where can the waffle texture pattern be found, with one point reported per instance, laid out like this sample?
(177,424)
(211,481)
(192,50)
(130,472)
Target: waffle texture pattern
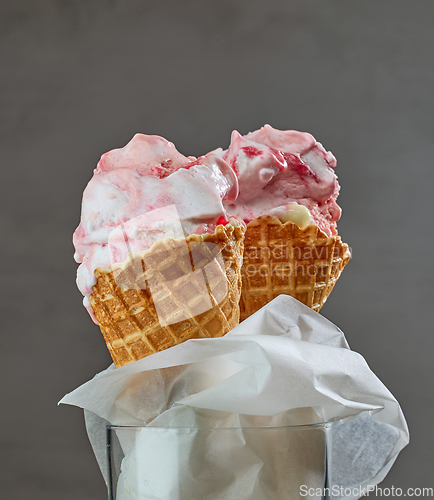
(281,258)
(175,291)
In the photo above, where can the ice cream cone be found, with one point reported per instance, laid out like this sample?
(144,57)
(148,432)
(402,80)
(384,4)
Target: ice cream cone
(175,291)
(281,258)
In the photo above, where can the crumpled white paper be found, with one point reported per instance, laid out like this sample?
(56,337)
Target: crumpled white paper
(285,365)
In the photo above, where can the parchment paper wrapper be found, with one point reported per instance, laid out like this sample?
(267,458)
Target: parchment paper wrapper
(285,365)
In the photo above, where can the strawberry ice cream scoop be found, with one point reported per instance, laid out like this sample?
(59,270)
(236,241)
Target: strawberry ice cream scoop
(278,169)
(144,192)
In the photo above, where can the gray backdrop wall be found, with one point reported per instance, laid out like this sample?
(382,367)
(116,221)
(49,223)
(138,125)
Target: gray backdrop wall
(80,77)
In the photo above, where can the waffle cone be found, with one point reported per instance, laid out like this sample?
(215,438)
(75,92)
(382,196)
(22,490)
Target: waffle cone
(175,291)
(281,258)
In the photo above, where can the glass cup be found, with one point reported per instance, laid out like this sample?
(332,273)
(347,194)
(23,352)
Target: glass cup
(244,463)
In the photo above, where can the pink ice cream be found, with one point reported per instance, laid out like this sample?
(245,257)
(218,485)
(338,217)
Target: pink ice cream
(276,168)
(144,192)
(147,191)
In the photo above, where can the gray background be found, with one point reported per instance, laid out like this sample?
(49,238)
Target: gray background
(80,77)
